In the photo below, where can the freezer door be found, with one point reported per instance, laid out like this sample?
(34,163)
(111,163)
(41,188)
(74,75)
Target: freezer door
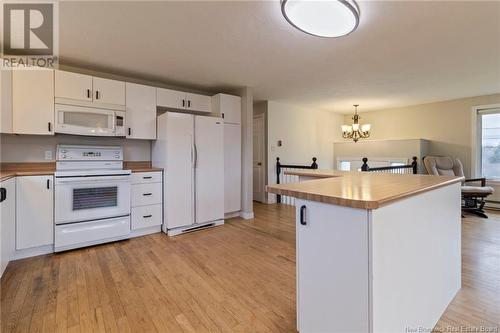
(209,169)
(179,173)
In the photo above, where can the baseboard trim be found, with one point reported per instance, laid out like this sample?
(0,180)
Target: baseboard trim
(232,215)
(33,252)
(247,215)
(145,231)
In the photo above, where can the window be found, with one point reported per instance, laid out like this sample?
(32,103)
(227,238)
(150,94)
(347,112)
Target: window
(489,143)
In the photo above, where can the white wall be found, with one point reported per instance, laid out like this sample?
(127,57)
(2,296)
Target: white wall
(305,133)
(446,124)
(31,148)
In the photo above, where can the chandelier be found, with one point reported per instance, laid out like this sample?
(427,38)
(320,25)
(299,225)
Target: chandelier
(355,131)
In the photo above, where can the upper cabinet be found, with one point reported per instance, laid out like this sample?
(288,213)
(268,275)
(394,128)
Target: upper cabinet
(200,103)
(140,112)
(174,99)
(33,101)
(228,107)
(5,101)
(73,86)
(76,88)
(108,91)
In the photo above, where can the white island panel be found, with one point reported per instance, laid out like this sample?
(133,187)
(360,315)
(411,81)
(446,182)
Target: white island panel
(416,259)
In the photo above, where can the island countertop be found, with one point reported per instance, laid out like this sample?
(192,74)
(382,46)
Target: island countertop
(363,190)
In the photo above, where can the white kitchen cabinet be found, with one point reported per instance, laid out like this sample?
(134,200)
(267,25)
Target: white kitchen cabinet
(140,115)
(8,222)
(108,91)
(228,107)
(174,99)
(146,202)
(146,216)
(5,101)
(33,101)
(73,86)
(34,211)
(87,90)
(332,268)
(199,103)
(232,168)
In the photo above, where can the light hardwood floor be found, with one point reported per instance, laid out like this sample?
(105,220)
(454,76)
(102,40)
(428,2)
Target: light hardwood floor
(236,278)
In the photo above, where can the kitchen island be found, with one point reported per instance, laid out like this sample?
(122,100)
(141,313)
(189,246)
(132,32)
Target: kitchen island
(375,252)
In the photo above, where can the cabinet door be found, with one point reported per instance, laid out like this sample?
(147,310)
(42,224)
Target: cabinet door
(8,225)
(34,211)
(200,103)
(108,91)
(229,108)
(140,116)
(5,101)
(232,168)
(73,86)
(332,268)
(33,101)
(172,99)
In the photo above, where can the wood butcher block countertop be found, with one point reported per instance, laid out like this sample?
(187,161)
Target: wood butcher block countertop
(364,190)
(9,170)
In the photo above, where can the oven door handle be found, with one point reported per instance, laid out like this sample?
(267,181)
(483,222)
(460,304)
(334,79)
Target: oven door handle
(84,180)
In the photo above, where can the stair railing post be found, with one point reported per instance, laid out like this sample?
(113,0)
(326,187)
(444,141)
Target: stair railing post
(314,165)
(414,165)
(365,166)
(278,171)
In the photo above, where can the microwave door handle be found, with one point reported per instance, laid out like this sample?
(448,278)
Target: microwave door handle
(113,116)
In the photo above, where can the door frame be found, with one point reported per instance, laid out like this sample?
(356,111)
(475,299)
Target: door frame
(262,117)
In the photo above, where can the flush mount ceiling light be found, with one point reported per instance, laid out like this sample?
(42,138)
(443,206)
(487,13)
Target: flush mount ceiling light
(322,18)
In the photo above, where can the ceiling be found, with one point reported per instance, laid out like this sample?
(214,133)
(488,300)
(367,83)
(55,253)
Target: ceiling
(403,52)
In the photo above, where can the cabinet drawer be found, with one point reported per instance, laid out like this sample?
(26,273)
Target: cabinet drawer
(146,194)
(146,216)
(146,177)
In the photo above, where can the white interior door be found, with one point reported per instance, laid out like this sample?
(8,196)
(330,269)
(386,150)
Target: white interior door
(179,171)
(209,168)
(258,159)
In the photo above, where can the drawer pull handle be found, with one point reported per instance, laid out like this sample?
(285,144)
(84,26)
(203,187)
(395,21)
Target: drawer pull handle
(147,194)
(147,177)
(147,216)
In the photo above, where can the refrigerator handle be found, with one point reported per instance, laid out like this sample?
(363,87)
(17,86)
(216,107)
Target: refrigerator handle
(195,156)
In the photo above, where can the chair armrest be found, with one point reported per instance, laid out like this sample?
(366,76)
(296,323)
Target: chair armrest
(482,180)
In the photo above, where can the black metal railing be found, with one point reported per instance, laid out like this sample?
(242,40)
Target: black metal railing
(282,167)
(411,168)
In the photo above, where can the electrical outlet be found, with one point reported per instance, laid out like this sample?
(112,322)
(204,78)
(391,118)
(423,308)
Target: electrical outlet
(48,154)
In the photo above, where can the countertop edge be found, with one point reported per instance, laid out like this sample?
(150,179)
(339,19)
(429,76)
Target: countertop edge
(358,203)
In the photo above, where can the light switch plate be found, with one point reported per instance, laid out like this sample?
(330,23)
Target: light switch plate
(48,154)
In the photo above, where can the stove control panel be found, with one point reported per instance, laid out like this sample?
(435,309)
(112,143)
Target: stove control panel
(89,153)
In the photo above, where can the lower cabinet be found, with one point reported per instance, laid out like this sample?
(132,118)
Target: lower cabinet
(146,216)
(7,222)
(34,211)
(146,200)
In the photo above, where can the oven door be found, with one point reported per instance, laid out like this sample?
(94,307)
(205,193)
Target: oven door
(79,199)
(81,120)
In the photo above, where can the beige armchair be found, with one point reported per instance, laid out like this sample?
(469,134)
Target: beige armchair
(472,196)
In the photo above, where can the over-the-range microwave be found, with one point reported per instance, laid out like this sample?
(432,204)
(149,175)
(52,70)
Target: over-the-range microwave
(84,120)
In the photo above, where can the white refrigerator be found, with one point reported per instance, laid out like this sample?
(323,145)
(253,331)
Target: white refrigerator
(190,149)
